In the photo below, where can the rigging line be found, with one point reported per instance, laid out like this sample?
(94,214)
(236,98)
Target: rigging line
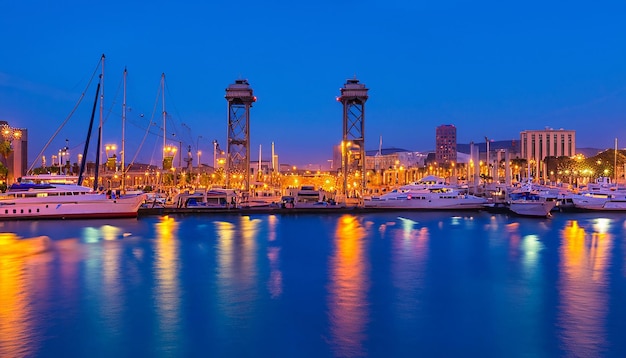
(176,129)
(113,103)
(145,135)
(80,99)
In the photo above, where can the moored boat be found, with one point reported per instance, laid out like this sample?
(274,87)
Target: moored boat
(531,204)
(41,197)
(206,199)
(602,196)
(609,201)
(439,198)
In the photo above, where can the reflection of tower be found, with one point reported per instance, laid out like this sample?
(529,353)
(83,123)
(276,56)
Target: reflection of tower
(240,99)
(353,97)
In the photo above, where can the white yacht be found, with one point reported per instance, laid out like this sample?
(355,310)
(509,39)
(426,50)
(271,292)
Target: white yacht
(601,195)
(417,196)
(531,204)
(216,198)
(48,197)
(307,197)
(531,200)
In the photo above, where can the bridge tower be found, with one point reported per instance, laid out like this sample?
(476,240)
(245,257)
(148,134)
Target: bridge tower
(353,97)
(240,98)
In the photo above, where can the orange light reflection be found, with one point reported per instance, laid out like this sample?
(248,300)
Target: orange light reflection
(17,338)
(348,309)
(583,285)
(166,272)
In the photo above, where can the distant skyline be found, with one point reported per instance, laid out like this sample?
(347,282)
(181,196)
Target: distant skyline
(492,69)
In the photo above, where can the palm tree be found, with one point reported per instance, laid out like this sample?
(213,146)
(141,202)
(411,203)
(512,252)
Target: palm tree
(5,150)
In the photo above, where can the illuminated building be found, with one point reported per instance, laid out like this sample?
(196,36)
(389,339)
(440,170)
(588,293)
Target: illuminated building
(536,145)
(445,141)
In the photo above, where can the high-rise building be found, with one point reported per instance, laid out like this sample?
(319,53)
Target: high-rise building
(536,145)
(445,141)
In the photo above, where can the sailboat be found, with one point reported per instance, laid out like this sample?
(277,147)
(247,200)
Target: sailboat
(54,197)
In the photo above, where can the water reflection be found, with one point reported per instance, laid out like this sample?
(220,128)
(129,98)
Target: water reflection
(349,283)
(112,285)
(167,289)
(583,288)
(237,272)
(410,251)
(275,283)
(17,336)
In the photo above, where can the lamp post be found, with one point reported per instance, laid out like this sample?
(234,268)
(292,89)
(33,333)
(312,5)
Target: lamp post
(111,162)
(198,148)
(168,156)
(65,153)
(214,154)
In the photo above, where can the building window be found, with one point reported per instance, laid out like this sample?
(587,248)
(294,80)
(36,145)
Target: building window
(569,144)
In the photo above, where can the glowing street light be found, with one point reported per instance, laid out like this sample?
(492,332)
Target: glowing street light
(168,156)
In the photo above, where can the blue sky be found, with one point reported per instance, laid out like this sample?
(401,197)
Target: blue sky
(490,68)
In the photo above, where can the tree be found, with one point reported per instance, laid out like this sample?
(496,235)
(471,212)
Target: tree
(4,172)
(603,163)
(5,150)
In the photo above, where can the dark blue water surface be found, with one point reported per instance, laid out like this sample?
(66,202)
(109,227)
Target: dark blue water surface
(379,285)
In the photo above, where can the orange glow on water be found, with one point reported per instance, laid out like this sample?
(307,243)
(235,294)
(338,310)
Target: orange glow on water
(583,288)
(166,269)
(16,316)
(349,284)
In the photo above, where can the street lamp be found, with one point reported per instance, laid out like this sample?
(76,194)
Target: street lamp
(168,156)
(109,147)
(111,163)
(65,153)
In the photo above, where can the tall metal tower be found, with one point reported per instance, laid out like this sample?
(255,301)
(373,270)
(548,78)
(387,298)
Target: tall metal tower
(240,98)
(353,97)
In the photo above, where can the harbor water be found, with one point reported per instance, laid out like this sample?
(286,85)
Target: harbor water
(406,284)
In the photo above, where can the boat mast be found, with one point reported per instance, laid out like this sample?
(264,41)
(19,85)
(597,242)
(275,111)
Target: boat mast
(164,121)
(86,149)
(101,114)
(615,163)
(99,145)
(123,135)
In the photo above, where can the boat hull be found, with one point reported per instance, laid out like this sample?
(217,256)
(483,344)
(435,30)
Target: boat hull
(599,204)
(532,208)
(421,204)
(97,207)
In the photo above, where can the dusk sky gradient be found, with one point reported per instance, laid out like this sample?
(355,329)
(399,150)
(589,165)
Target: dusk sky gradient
(491,68)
